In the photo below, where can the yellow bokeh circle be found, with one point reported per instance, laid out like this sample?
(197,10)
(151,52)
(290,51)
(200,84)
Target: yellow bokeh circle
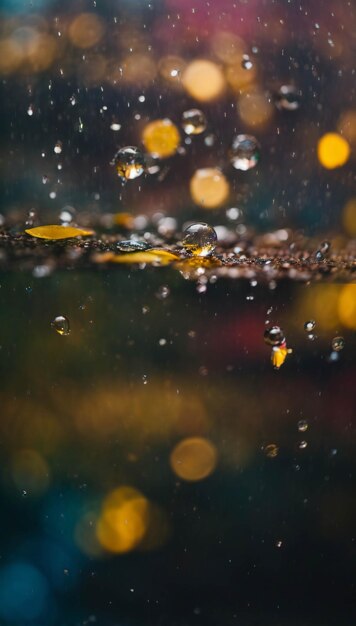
(193,458)
(333,151)
(347,306)
(209,187)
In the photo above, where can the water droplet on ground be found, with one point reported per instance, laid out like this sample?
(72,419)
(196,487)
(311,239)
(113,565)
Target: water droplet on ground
(61,325)
(200,239)
(245,152)
(130,245)
(193,122)
(129,163)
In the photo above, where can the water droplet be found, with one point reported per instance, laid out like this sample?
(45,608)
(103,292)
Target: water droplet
(200,239)
(30,110)
(288,98)
(31,218)
(309,326)
(246,62)
(58,147)
(274,336)
(271,450)
(193,122)
(163,292)
(245,152)
(66,215)
(279,544)
(338,343)
(302,426)
(115,127)
(130,245)
(162,342)
(324,247)
(61,325)
(302,445)
(129,163)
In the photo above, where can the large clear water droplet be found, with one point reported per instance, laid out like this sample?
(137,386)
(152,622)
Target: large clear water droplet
(129,163)
(245,152)
(61,325)
(200,239)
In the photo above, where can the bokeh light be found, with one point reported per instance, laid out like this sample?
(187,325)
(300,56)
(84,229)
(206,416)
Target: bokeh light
(194,458)
(333,151)
(30,472)
(255,108)
(203,80)
(349,217)
(209,187)
(347,306)
(23,592)
(347,125)
(161,138)
(86,30)
(123,521)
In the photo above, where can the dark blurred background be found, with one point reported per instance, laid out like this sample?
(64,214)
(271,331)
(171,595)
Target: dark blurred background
(155,467)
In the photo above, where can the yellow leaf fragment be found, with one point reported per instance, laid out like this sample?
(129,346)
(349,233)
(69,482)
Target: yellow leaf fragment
(160,257)
(58,232)
(279,355)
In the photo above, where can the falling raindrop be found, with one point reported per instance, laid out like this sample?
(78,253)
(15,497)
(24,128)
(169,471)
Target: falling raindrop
(246,62)
(271,450)
(129,163)
(61,325)
(302,445)
(193,122)
(200,239)
(338,343)
(302,426)
(309,326)
(162,292)
(288,98)
(274,336)
(58,147)
(245,152)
